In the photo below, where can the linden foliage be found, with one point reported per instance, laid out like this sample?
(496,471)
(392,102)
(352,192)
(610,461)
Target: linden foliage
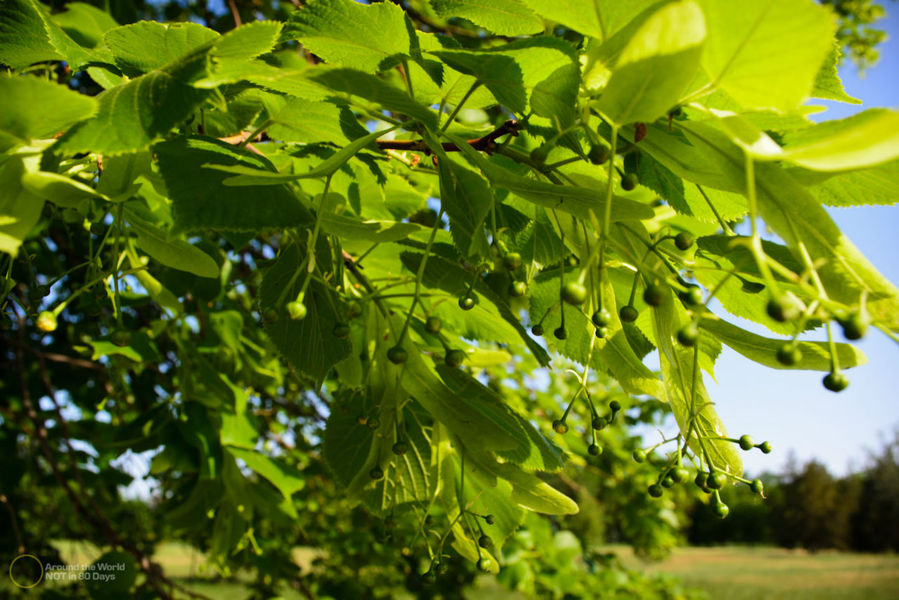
(248,219)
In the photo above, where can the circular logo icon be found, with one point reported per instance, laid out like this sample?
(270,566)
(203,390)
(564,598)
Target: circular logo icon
(26,572)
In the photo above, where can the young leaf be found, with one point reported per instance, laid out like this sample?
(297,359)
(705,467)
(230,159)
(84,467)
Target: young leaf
(34,109)
(174,253)
(504,17)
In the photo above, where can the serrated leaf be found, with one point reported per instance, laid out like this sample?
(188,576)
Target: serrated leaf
(147,45)
(655,67)
(201,200)
(876,185)
(828,85)
(175,253)
(467,198)
(28,36)
(369,38)
(815,355)
(503,17)
(283,476)
(743,38)
(315,122)
(34,108)
(85,23)
(19,208)
(590,17)
(247,42)
(368,230)
(532,493)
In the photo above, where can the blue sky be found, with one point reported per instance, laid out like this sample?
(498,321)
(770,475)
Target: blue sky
(791,409)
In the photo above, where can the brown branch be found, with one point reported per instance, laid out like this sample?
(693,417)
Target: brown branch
(15,525)
(234,13)
(484,144)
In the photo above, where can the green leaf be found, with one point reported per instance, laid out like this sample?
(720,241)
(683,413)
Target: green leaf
(828,85)
(467,199)
(503,17)
(655,67)
(283,476)
(308,344)
(315,122)
(590,17)
(145,46)
(20,210)
(28,36)
(368,230)
(532,493)
(766,54)
(174,253)
(201,200)
(85,23)
(876,185)
(58,189)
(158,292)
(867,139)
(368,38)
(34,108)
(247,41)
(238,430)
(815,355)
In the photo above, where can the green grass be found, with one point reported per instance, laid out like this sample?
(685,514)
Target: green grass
(744,573)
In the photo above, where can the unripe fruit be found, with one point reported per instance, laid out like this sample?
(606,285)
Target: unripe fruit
(594,450)
(517,289)
(560,333)
(629,181)
(628,313)
(601,318)
(484,541)
(489,519)
(701,480)
(639,455)
(789,354)
(667,481)
(654,294)
(602,332)
(598,154)
(400,448)
(782,308)
(376,473)
(433,325)
(574,293)
(296,310)
(485,564)
(614,406)
(721,509)
(692,296)
(746,442)
(341,331)
(373,423)
(512,261)
(560,427)
(655,490)
(537,329)
(599,423)
(466,302)
(765,447)
(688,334)
(683,240)
(353,309)
(397,355)
(756,486)
(46,321)
(835,382)
(454,358)
(680,475)
(855,326)
(717,480)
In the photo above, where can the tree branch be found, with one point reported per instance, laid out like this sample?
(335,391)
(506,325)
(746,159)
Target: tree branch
(484,144)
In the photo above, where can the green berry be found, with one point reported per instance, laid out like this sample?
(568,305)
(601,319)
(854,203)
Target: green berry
(721,509)
(717,480)
(373,423)
(639,455)
(598,154)
(680,474)
(517,289)
(594,450)
(701,480)
(121,338)
(789,354)
(601,318)
(756,486)
(655,490)
(765,447)
(746,442)
(628,313)
(376,473)
(484,541)
(560,427)
(683,240)
(688,334)
(433,325)
(485,564)
(855,326)
(560,333)
(654,294)
(46,321)
(599,423)
(296,310)
(614,406)
(537,329)
(400,448)
(836,382)
(466,302)
(512,261)
(629,181)
(692,296)
(353,309)
(454,358)
(574,293)
(490,519)
(602,332)
(782,308)
(397,355)
(668,481)
(341,331)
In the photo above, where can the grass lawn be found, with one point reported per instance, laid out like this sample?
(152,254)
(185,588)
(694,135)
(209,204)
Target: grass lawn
(744,573)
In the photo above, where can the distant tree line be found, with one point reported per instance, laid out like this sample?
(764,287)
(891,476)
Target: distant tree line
(808,507)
